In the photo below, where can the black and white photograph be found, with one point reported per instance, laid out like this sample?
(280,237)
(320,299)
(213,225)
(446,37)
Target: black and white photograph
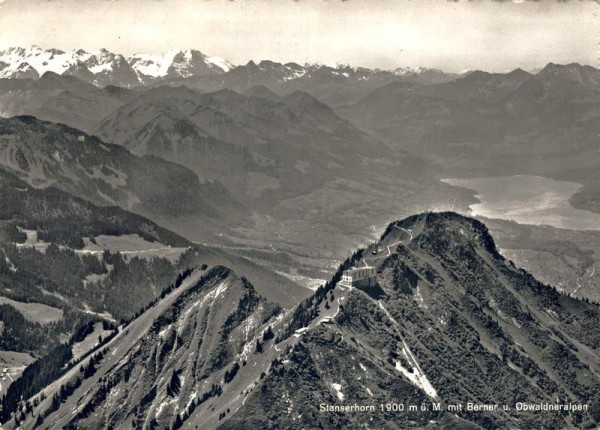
(299,214)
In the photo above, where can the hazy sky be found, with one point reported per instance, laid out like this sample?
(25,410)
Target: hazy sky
(489,35)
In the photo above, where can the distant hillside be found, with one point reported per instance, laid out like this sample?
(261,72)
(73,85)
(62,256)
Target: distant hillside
(492,124)
(44,239)
(65,219)
(63,99)
(335,85)
(443,319)
(257,147)
(46,154)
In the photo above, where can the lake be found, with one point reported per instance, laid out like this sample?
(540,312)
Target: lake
(528,199)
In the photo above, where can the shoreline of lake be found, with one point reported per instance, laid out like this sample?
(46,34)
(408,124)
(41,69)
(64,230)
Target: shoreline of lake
(527,199)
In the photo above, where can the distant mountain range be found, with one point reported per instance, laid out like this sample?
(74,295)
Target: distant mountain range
(257,143)
(104,68)
(496,124)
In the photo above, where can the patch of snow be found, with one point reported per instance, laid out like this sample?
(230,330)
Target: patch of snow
(221,63)
(416,375)
(88,310)
(101,68)
(402,71)
(192,397)
(162,405)
(247,349)
(288,399)
(419,298)
(294,74)
(163,333)
(338,389)
(220,289)
(156,66)
(212,296)
(369,391)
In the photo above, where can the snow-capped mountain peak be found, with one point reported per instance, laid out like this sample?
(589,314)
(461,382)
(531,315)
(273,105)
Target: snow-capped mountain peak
(107,68)
(175,64)
(103,68)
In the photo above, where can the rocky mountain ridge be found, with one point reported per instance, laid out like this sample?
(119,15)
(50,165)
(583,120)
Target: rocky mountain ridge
(104,68)
(441,319)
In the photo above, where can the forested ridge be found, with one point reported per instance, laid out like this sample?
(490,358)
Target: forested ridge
(82,288)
